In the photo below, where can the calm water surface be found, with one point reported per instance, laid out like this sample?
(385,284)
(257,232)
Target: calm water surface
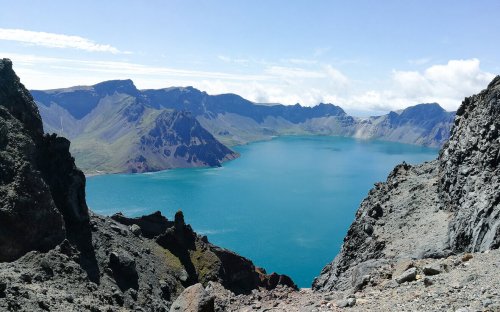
(286,203)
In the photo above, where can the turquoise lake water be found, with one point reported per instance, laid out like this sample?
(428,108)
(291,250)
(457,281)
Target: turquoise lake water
(285,203)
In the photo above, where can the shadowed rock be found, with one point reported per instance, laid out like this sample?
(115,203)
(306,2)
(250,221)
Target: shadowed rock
(470,173)
(151,225)
(29,218)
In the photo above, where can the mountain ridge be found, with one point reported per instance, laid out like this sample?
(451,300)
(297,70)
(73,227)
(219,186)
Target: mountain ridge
(110,134)
(231,119)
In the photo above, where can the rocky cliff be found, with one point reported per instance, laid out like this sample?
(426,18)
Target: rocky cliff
(41,190)
(470,175)
(433,210)
(56,255)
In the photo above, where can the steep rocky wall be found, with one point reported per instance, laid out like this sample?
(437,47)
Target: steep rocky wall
(29,218)
(39,183)
(470,175)
(431,210)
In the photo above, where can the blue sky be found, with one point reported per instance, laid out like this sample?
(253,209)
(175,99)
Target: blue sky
(366,56)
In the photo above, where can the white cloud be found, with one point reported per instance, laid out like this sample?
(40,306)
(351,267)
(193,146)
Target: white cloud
(121,69)
(55,40)
(293,72)
(321,51)
(227,59)
(336,76)
(420,61)
(446,84)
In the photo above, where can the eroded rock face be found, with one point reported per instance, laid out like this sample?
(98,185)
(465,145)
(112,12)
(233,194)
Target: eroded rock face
(470,175)
(431,210)
(29,218)
(42,192)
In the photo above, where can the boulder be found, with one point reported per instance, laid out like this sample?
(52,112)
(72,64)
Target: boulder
(407,276)
(432,269)
(124,270)
(194,299)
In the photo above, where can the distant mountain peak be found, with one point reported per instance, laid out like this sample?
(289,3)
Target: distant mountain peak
(119,86)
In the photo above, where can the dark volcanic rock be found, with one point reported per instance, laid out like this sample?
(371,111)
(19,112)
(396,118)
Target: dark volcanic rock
(206,262)
(272,280)
(29,218)
(151,225)
(42,191)
(470,173)
(66,182)
(124,270)
(18,101)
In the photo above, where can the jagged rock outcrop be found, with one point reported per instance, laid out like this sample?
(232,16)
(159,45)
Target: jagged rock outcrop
(150,226)
(57,255)
(431,210)
(29,217)
(205,262)
(470,173)
(43,193)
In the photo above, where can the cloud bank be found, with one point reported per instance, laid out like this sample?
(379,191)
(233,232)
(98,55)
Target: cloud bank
(287,82)
(447,84)
(52,40)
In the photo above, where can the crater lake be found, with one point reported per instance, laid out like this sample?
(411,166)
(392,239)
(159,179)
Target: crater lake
(286,203)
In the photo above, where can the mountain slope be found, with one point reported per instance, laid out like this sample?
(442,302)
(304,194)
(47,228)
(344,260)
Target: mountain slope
(117,131)
(447,206)
(110,121)
(423,124)
(234,120)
